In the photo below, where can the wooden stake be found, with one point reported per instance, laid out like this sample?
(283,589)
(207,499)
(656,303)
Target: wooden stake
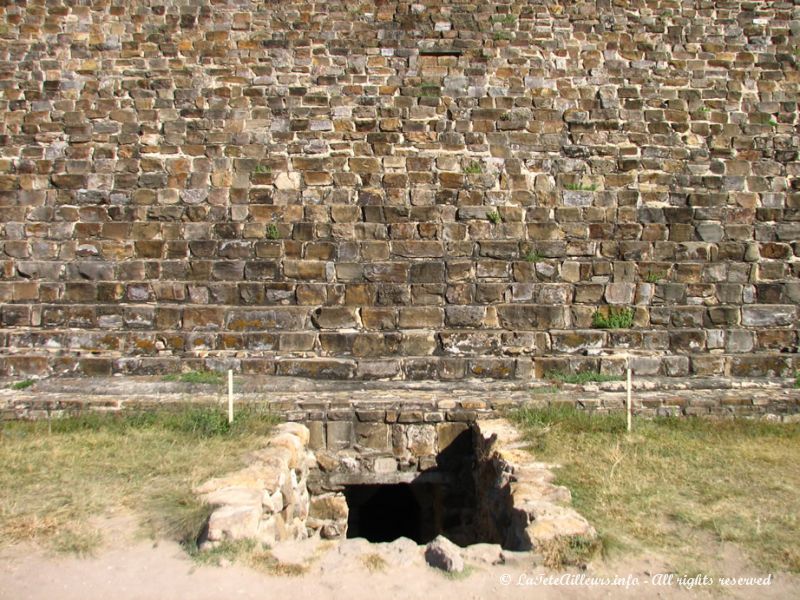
(230,396)
(628,403)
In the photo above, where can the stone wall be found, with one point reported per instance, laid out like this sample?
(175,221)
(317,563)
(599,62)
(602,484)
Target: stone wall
(473,482)
(266,500)
(520,507)
(399,190)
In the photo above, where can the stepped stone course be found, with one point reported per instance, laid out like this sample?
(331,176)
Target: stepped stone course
(397,190)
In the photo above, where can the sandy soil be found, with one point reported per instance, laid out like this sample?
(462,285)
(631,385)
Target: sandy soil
(130,568)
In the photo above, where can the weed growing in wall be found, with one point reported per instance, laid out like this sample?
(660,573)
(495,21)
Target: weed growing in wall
(272,232)
(494,217)
(617,318)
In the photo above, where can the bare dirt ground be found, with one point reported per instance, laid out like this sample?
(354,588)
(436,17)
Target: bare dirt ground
(129,568)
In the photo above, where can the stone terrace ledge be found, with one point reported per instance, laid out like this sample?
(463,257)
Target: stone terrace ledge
(401,401)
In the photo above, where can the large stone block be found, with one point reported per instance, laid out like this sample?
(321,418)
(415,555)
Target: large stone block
(526,317)
(374,436)
(773,315)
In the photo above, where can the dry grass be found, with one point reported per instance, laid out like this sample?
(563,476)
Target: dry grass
(374,562)
(52,485)
(565,551)
(252,554)
(675,483)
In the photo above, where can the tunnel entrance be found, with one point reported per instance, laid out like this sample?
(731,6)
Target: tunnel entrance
(383,513)
(438,501)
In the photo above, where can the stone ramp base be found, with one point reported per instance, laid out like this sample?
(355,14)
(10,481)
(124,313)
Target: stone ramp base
(302,399)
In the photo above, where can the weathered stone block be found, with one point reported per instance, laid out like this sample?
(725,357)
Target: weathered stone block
(335,317)
(328,507)
(526,317)
(769,316)
(375,436)
(339,434)
(316,368)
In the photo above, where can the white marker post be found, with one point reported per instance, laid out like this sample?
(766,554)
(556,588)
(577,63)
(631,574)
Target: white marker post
(628,403)
(230,396)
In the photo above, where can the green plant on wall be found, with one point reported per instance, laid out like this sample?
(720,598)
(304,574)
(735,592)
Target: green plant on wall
(504,19)
(616,318)
(272,232)
(473,168)
(533,256)
(580,187)
(494,217)
(22,385)
(262,170)
(430,89)
(655,276)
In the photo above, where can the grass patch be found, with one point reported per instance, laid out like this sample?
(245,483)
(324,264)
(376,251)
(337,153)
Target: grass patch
(374,562)
(655,276)
(430,90)
(262,170)
(534,256)
(272,232)
(563,552)
(667,488)
(615,318)
(580,187)
(52,484)
(549,389)
(494,217)
(458,575)
(202,377)
(504,19)
(250,553)
(797,381)
(473,168)
(22,385)
(580,378)
(501,36)
(78,542)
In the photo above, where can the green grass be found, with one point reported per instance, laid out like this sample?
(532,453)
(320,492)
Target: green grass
(615,318)
(504,19)
(580,187)
(534,256)
(202,377)
(580,378)
(501,35)
(494,217)
(22,385)
(549,389)
(473,168)
(797,381)
(272,232)
(82,542)
(655,277)
(262,170)
(53,484)
(457,575)
(677,486)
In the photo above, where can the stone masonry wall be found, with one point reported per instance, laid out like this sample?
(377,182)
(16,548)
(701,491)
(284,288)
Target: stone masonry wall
(399,190)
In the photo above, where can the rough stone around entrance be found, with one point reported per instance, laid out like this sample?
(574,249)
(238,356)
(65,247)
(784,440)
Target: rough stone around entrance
(470,482)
